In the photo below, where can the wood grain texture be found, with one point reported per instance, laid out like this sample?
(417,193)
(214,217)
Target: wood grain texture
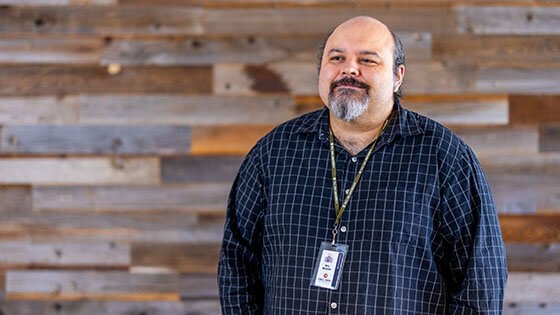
(198,287)
(199,169)
(439,78)
(180,258)
(549,138)
(541,229)
(22,307)
(205,198)
(227,140)
(72,139)
(532,288)
(508,20)
(64,255)
(51,50)
(57,2)
(39,110)
(543,308)
(35,80)
(94,285)
(534,109)
(533,80)
(192,110)
(500,140)
(533,257)
(15,199)
(94,170)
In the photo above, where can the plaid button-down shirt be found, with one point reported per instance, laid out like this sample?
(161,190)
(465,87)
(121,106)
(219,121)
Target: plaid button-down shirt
(421,226)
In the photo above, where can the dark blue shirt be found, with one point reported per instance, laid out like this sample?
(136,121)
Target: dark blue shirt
(421,226)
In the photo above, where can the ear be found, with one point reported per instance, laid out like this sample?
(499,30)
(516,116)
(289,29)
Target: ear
(399,77)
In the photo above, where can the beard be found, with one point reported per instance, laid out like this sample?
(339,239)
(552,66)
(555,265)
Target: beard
(347,104)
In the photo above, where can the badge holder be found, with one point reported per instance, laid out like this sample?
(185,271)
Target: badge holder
(328,267)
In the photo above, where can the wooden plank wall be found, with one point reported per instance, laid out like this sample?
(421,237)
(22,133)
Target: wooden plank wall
(123,122)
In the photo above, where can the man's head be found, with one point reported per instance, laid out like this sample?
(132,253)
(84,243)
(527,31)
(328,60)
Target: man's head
(361,68)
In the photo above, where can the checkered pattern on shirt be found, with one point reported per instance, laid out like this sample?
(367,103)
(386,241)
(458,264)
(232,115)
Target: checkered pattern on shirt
(421,227)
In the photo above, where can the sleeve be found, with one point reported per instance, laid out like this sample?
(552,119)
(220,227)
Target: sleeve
(475,265)
(239,268)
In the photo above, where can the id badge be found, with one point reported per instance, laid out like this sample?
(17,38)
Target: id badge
(328,267)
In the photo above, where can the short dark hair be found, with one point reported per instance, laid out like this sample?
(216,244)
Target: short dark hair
(398,52)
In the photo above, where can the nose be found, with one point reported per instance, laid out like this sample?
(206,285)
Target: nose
(351,69)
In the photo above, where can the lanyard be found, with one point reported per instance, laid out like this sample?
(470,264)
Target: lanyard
(339,210)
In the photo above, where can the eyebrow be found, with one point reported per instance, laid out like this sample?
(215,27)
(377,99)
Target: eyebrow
(363,52)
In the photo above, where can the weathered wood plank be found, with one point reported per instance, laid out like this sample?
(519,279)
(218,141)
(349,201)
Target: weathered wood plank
(198,287)
(533,80)
(200,169)
(497,49)
(438,78)
(94,285)
(533,257)
(251,49)
(549,138)
(207,198)
(532,288)
(508,20)
(20,80)
(227,140)
(51,50)
(549,308)
(541,229)
(39,110)
(180,258)
(15,199)
(94,170)
(158,140)
(534,109)
(500,140)
(58,2)
(22,307)
(192,307)
(64,255)
(189,110)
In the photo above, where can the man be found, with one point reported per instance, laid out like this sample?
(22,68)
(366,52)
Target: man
(416,233)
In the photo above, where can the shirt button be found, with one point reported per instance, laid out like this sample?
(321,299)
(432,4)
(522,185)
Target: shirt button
(347,191)
(354,159)
(342,229)
(334,305)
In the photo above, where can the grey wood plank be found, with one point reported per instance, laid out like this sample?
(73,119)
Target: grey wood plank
(57,2)
(514,308)
(71,139)
(22,307)
(204,198)
(500,140)
(191,307)
(533,20)
(39,110)
(533,257)
(193,110)
(51,50)
(533,80)
(200,168)
(532,287)
(198,287)
(75,171)
(64,254)
(549,138)
(15,199)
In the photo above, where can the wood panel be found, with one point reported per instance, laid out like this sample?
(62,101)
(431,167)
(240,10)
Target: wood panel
(22,308)
(500,140)
(64,255)
(532,287)
(200,169)
(58,2)
(51,50)
(230,140)
(533,80)
(91,170)
(71,139)
(180,258)
(508,20)
(198,287)
(20,80)
(39,110)
(15,199)
(549,138)
(534,109)
(514,308)
(533,257)
(194,198)
(439,78)
(191,307)
(542,229)
(192,110)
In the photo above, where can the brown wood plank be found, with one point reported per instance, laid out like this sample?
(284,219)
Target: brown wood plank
(180,258)
(227,140)
(534,109)
(156,140)
(200,169)
(533,257)
(498,50)
(532,287)
(206,198)
(37,80)
(541,229)
(192,110)
(500,140)
(508,20)
(94,285)
(64,255)
(15,199)
(91,170)
(549,138)
(530,80)
(51,50)
(39,110)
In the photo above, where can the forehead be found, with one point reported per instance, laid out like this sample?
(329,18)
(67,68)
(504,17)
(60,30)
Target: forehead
(359,36)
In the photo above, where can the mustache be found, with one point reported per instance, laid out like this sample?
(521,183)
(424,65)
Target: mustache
(349,81)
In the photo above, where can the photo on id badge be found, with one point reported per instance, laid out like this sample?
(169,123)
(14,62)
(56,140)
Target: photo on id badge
(328,266)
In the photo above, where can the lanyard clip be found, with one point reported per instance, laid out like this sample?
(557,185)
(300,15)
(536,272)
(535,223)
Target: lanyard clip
(334,232)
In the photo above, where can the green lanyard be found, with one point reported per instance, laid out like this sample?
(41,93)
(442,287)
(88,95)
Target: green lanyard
(339,210)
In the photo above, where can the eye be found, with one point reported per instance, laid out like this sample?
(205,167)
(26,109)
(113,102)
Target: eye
(368,61)
(337,58)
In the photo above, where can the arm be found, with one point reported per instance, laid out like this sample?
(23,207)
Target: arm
(475,266)
(239,269)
